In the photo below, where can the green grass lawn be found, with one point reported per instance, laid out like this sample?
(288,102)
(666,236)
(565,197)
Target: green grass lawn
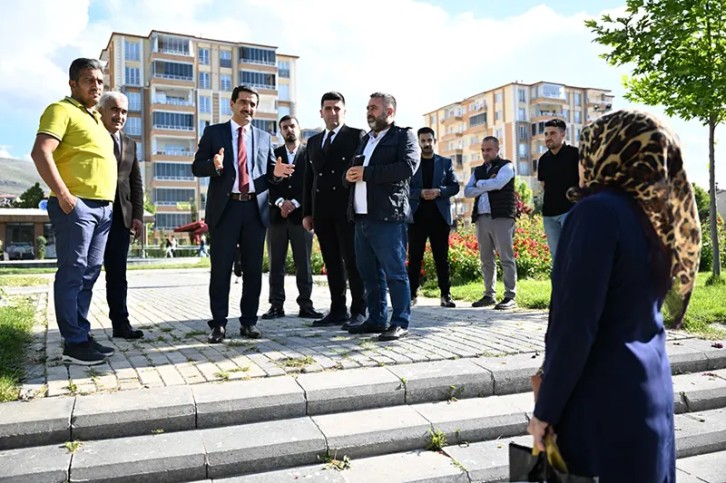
(707,306)
(23,280)
(16,322)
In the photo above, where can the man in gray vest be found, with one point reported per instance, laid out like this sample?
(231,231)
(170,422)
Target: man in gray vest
(495,207)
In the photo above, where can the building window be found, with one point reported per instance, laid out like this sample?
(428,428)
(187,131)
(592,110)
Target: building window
(552,91)
(523,150)
(283,69)
(478,120)
(132,50)
(169,221)
(566,114)
(205,104)
(139,152)
(498,98)
(522,131)
(204,80)
(252,55)
(283,92)
(283,111)
(578,98)
(132,76)
(523,168)
(224,108)
(522,114)
(498,116)
(262,80)
(522,94)
(133,126)
(578,117)
(577,135)
(203,56)
(173,172)
(225,58)
(265,125)
(225,82)
(173,120)
(134,101)
(173,45)
(173,70)
(172,196)
(203,124)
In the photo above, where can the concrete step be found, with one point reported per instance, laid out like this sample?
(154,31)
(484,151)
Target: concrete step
(178,408)
(477,430)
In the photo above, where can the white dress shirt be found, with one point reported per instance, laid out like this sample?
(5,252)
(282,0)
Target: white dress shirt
(360,198)
(247,131)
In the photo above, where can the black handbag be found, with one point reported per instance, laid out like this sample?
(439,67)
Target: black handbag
(527,464)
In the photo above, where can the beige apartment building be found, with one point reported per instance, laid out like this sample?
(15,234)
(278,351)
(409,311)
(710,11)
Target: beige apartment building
(178,84)
(515,113)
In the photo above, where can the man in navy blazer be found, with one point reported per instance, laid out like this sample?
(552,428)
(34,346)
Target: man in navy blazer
(432,187)
(235,155)
(384,163)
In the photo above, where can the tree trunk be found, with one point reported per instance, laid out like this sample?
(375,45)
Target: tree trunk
(713,214)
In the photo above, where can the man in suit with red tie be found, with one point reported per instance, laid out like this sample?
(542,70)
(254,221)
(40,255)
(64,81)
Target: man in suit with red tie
(235,155)
(325,202)
(286,227)
(128,212)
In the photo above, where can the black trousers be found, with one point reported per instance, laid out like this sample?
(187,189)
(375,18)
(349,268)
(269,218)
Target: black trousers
(336,237)
(435,229)
(240,223)
(114,261)
(278,236)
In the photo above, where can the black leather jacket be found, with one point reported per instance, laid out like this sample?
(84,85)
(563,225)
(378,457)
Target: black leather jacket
(393,162)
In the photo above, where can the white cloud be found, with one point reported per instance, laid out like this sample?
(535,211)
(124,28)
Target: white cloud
(4,152)
(420,53)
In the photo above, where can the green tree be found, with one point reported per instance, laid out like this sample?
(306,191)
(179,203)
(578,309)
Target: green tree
(677,50)
(703,202)
(31,197)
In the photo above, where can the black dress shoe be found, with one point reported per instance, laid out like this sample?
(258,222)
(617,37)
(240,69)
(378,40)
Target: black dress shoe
(393,333)
(309,313)
(273,313)
(356,319)
(250,331)
(217,336)
(366,328)
(331,319)
(128,333)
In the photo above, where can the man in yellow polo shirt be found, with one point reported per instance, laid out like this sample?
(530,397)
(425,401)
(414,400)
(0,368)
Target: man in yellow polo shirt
(74,155)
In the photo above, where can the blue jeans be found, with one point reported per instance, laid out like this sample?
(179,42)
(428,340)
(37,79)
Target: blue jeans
(380,251)
(80,239)
(553,227)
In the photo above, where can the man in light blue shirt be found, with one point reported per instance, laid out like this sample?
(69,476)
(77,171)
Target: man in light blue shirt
(495,208)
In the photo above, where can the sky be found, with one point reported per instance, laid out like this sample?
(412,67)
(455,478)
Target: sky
(427,53)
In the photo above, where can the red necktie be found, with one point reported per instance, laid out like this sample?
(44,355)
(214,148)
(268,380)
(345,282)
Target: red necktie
(244,177)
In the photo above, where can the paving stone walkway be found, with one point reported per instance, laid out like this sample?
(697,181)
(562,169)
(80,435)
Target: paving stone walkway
(171,306)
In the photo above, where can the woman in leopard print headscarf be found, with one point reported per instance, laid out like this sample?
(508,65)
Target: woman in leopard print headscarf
(634,235)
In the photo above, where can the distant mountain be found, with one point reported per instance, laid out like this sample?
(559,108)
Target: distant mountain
(17,175)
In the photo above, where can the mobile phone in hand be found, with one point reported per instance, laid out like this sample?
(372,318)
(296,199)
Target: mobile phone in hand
(358,160)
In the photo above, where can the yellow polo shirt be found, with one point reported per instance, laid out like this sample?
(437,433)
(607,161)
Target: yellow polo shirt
(84,157)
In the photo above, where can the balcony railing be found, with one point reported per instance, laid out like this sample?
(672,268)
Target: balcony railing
(541,112)
(174,152)
(165,50)
(173,102)
(174,178)
(260,62)
(262,86)
(173,128)
(174,76)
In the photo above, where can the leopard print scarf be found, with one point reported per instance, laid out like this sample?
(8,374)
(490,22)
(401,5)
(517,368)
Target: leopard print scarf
(635,152)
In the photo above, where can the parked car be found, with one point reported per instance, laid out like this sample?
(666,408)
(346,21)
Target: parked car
(20,251)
